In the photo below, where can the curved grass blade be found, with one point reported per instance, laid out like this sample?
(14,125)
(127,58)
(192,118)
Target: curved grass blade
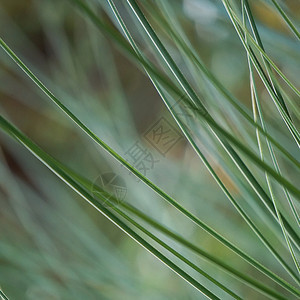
(187,49)
(133,170)
(258,40)
(246,279)
(202,110)
(271,77)
(159,14)
(218,131)
(209,75)
(256,106)
(57,170)
(175,253)
(230,270)
(146,64)
(239,27)
(138,174)
(70,177)
(199,153)
(236,21)
(194,57)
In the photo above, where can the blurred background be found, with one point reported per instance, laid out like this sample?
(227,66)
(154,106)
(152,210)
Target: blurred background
(53,244)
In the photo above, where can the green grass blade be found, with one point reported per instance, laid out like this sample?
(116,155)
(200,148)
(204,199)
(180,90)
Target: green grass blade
(271,77)
(57,170)
(118,39)
(248,280)
(219,136)
(215,260)
(236,21)
(239,27)
(193,97)
(129,167)
(188,50)
(256,106)
(199,153)
(71,177)
(177,254)
(3,296)
(216,128)
(286,19)
(112,202)
(149,68)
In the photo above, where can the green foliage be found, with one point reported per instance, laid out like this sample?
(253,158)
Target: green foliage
(241,144)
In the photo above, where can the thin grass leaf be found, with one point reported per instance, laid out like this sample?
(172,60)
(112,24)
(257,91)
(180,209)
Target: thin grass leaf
(256,106)
(134,171)
(286,19)
(112,202)
(105,146)
(144,179)
(219,132)
(57,170)
(150,69)
(271,77)
(197,150)
(188,50)
(175,253)
(204,113)
(146,65)
(233,15)
(239,27)
(161,14)
(3,296)
(70,177)
(215,260)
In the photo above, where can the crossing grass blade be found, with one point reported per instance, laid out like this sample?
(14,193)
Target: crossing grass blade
(204,113)
(219,132)
(257,107)
(147,65)
(269,72)
(226,151)
(236,21)
(50,163)
(180,40)
(166,197)
(155,188)
(188,50)
(200,154)
(169,85)
(215,260)
(238,26)
(82,187)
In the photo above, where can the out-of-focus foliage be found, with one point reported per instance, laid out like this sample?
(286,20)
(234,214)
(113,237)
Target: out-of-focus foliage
(53,245)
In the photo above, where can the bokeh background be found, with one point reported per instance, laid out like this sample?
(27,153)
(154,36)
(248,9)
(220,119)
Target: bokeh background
(53,245)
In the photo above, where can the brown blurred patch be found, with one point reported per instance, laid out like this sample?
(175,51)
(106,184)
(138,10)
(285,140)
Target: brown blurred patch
(227,181)
(271,18)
